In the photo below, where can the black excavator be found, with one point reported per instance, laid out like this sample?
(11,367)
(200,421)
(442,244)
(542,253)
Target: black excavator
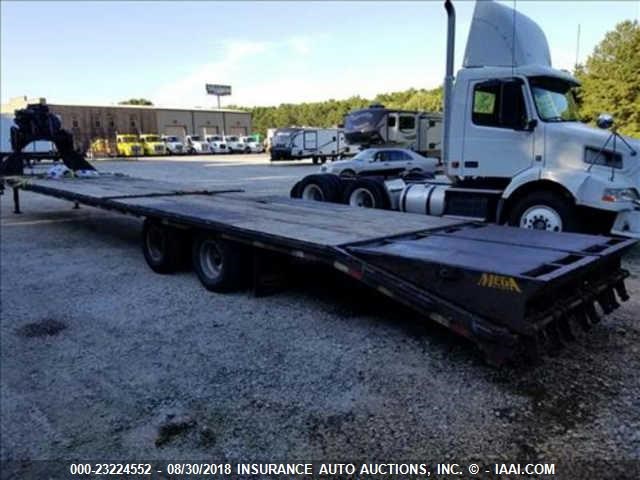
(37,123)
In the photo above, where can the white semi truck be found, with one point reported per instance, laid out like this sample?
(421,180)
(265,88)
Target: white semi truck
(299,143)
(379,126)
(513,149)
(173,145)
(196,144)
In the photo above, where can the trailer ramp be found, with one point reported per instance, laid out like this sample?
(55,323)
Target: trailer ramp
(502,287)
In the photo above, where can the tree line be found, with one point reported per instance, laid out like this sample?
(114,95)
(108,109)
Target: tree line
(610,80)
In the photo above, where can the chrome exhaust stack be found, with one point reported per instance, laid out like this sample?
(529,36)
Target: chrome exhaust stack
(448,79)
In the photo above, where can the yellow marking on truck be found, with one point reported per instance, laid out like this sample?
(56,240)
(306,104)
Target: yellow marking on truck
(499,282)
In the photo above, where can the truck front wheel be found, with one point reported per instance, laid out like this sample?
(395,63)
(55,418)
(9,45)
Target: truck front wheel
(545,211)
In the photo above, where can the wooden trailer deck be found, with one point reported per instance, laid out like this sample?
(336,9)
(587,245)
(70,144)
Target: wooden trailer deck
(315,224)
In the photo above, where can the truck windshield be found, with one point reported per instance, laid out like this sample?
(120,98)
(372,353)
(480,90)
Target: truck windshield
(172,139)
(129,139)
(151,138)
(195,138)
(554,99)
(232,139)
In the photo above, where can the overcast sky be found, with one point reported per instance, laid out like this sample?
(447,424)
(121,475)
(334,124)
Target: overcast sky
(270,52)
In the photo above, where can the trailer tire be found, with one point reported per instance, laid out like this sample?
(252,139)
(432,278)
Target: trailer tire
(367,193)
(221,265)
(161,246)
(322,187)
(544,210)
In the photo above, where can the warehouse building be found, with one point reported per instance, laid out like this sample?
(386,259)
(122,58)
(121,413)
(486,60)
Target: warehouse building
(89,123)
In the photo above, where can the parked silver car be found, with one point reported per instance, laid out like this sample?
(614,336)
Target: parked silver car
(384,161)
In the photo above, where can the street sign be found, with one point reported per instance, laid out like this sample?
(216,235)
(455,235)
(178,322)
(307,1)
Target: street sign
(219,90)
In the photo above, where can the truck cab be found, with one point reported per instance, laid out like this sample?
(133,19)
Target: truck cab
(513,148)
(128,145)
(514,126)
(252,145)
(196,144)
(173,145)
(152,144)
(216,143)
(235,144)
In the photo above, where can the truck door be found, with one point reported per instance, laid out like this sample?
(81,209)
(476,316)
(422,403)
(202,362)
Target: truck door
(497,140)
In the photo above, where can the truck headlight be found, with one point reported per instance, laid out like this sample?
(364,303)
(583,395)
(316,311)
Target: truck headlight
(620,195)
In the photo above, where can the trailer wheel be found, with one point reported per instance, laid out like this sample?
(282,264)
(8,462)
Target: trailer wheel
(366,193)
(219,264)
(161,246)
(319,187)
(544,210)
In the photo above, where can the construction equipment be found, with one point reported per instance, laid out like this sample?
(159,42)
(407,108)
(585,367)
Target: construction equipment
(35,123)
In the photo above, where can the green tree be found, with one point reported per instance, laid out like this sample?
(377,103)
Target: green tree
(331,112)
(611,79)
(136,101)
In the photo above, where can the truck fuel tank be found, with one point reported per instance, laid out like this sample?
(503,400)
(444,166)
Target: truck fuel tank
(423,198)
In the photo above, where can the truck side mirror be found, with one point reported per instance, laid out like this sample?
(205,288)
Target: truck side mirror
(531,125)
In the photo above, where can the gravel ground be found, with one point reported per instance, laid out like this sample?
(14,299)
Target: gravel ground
(101,359)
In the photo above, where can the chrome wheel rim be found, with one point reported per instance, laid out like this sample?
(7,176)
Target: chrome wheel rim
(541,217)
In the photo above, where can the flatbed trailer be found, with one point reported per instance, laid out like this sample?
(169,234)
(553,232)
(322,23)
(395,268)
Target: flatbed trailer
(507,289)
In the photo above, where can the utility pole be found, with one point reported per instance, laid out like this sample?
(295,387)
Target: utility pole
(575,67)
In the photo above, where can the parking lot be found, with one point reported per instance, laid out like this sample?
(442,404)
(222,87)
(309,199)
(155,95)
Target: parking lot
(99,356)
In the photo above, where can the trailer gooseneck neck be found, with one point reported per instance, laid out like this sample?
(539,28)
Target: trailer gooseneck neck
(498,286)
